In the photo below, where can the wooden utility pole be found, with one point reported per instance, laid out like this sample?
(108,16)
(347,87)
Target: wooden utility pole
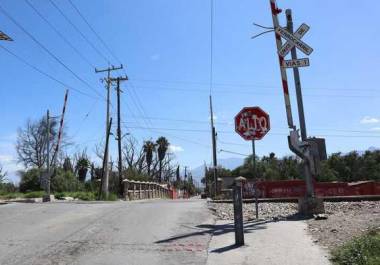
(120,165)
(106,155)
(101,190)
(214,160)
(60,132)
(47,188)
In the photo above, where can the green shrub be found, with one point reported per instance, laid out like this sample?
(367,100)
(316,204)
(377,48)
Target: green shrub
(34,194)
(65,181)
(30,180)
(10,195)
(85,196)
(111,197)
(363,250)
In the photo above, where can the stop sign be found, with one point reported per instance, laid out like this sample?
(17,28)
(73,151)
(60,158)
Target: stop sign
(252,123)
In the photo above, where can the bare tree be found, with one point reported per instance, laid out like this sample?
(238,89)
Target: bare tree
(2,175)
(32,140)
(133,155)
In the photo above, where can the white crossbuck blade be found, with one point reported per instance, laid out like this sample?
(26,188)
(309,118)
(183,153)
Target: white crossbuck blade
(294,40)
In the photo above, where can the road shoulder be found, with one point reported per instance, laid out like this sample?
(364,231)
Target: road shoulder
(267,243)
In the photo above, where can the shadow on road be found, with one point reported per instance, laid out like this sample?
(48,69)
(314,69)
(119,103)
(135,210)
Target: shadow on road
(217,230)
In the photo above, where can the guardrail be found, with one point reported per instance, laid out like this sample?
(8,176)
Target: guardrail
(140,190)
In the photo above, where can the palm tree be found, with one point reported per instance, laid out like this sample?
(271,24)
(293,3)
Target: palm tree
(82,167)
(149,148)
(163,145)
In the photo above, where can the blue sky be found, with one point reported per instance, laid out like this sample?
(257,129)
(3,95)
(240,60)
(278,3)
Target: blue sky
(165,48)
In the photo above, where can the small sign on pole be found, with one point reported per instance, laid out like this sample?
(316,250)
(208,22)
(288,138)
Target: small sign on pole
(303,62)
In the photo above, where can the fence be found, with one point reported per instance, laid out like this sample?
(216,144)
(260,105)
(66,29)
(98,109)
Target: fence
(297,188)
(139,190)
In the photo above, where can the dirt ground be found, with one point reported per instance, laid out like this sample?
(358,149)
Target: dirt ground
(345,221)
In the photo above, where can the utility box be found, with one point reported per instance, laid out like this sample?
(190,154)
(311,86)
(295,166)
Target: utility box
(321,144)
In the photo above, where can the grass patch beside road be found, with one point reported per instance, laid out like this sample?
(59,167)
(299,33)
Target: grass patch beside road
(363,250)
(27,195)
(85,196)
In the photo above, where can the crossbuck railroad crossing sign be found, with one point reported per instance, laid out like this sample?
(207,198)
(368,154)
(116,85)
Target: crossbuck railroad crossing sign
(294,40)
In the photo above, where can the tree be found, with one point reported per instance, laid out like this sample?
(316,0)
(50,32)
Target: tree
(30,180)
(149,149)
(163,145)
(31,142)
(2,175)
(133,156)
(82,165)
(67,165)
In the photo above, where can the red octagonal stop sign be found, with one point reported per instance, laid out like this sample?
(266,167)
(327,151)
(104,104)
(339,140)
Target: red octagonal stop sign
(252,123)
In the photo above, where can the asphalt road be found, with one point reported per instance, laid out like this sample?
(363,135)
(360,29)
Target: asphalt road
(140,232)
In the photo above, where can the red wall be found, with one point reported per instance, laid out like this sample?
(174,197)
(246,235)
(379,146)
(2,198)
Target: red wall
(297,188)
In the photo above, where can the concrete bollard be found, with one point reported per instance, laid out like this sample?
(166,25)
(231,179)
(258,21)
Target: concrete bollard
(238,211)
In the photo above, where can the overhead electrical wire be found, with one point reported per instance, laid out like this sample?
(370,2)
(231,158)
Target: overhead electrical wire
(79,32)
(93,31)
(232,132)
(234,85)
(134,96)
(2,10)
(84,58)
(46,74)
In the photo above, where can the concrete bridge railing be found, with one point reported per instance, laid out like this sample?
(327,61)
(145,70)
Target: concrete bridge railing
(140,190)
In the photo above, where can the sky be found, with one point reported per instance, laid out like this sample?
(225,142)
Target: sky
(165,48)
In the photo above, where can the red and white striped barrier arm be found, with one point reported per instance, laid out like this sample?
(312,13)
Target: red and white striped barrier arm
(275,12)
(60,127)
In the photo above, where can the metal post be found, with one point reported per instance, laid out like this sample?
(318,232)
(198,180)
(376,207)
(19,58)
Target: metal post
(255,178)
(238,215)
(297,80)
(301,115)
(47,188)
(214,159)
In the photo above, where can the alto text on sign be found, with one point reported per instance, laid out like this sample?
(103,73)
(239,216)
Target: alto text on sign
(295,63)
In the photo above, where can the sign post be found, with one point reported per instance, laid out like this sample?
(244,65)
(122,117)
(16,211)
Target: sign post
(252,123)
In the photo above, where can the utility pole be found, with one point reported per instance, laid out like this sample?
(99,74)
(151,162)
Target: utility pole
(120,165)
(185,172)
(48,153)
(108,84)
(101,190)
(297,80)
(60,132)
(214,160)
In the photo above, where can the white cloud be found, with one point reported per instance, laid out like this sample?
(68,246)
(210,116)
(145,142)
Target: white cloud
(175,148)
(155,57)
(376,129)
(368,119)
(6,158)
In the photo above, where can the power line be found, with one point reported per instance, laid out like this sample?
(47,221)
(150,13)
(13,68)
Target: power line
(46,74)
(234,85)
(134,96)
(93,31)
(250,92)
(47,50)
(211,43)
(232,132)
(59,34)
(80,32)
